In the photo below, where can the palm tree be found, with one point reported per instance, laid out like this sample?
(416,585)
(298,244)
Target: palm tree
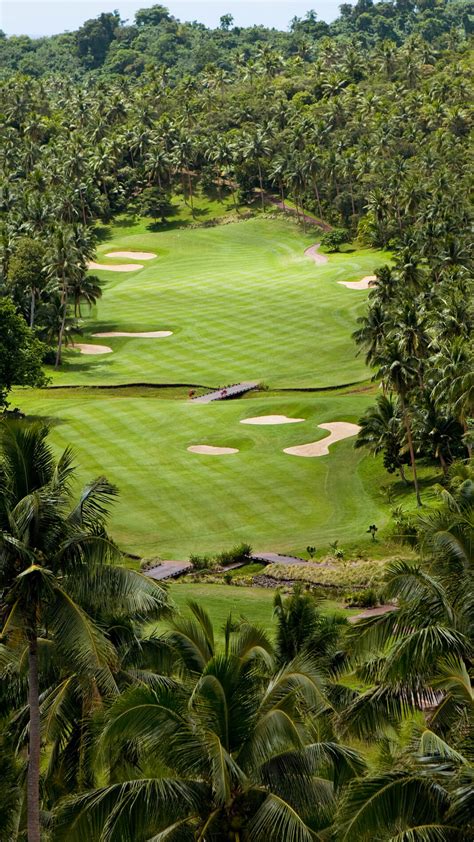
(398,373)
(303,629)
(455,380)
(54,561)
(256,147)
(230,749)
(381,431)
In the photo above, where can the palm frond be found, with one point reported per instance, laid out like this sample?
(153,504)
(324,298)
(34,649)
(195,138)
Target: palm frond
(276,820)
(386,802)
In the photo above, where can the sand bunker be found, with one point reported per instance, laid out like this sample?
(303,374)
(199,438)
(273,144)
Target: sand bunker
(272,419)
(313,253)
(364,283)
(146,334)
(93,349)
(207,450)
(339,430)
(117,267)
(132,255)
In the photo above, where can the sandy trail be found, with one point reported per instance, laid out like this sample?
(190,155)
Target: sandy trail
(364,283)
(117,267)
(146,334)
(338,429)
(271,419)
(132,255)
(313,253)
(208,450)
(92,349)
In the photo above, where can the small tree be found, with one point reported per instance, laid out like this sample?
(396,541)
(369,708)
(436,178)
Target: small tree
(21,354)
(333,240)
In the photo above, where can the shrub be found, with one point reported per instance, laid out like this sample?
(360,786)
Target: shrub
(241,552)
(333,240)
(367,598)
(201,562)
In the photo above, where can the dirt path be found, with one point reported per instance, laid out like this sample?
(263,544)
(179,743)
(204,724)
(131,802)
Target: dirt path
(372,612)
(314,254)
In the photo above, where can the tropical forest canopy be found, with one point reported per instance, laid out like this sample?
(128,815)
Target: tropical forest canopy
(114,728)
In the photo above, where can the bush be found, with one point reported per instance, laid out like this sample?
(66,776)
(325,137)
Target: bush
(241,552)
(367,598)
(333,240)
(201,562)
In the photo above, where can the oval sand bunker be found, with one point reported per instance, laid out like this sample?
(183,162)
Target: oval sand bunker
(117,267)
(146,334)
(93,349)
(132,255)
(208,450)
(272,419)
(339,430)
(364,283)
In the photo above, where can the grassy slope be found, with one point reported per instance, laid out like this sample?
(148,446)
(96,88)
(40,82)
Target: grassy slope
(243,302)
(256,604)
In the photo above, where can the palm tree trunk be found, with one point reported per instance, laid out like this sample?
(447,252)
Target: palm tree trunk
(412,451)
(32,308)
(33,821)
(260,178)
(402,474)
(62,327)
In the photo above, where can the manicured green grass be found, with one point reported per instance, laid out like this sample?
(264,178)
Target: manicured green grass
(255,604)
(173,502)
(242,300)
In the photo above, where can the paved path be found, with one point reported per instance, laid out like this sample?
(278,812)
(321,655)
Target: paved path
(372,612)
(168,570)
(276,558)
(230,392)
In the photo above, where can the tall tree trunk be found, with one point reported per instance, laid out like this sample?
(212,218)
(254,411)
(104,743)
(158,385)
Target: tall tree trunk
(34,743)
(190,184)
(260,178)
(32,308)
(402,474)
(63,325)
(406,420)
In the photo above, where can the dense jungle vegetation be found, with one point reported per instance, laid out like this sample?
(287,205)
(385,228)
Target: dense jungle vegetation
(112,730)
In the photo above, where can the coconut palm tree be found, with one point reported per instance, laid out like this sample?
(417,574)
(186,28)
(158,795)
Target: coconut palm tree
(399,373)
(381,431)
(230,749)
(54,565)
